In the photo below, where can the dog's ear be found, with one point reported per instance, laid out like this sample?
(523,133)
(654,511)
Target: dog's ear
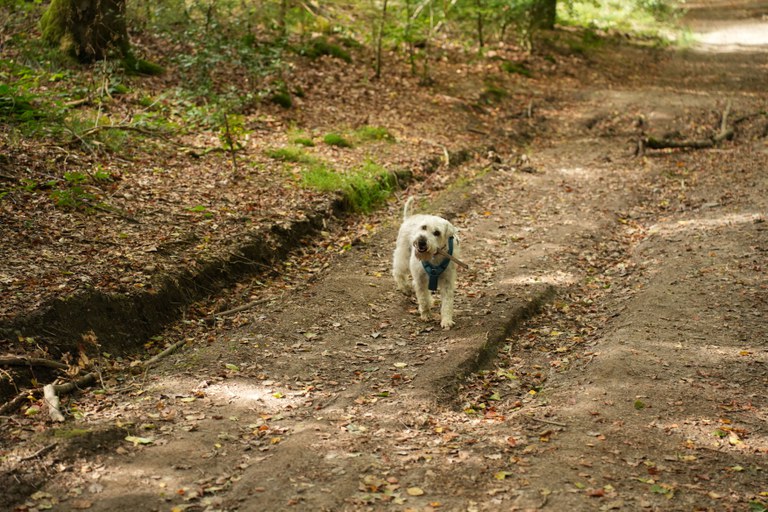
(451,230)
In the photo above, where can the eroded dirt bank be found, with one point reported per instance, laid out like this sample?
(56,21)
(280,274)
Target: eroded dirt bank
(637,383)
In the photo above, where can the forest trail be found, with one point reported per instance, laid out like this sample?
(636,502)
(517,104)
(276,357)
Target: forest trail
(609,353)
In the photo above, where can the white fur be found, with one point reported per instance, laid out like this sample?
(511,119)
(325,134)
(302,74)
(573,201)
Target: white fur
(419,239)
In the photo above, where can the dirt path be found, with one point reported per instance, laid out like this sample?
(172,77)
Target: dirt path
(609,353)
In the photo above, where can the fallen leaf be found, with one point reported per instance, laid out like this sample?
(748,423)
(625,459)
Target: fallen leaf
(415,491)
(139,440)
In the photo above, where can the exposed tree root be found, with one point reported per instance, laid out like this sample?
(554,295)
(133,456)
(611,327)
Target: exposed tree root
(31,361)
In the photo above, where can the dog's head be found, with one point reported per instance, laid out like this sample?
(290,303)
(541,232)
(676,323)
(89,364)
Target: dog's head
(431,236)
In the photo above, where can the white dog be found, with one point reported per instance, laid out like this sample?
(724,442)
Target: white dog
(420,261)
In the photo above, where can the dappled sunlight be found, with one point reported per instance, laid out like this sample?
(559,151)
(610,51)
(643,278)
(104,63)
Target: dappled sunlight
(554,278)
(242,393)
(576,172)
(747,33)
(705,223)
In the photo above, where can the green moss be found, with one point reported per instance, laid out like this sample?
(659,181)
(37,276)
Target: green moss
(303,141)
(134,66)
(290,154)
(374,133)
(336,139)
(68,433)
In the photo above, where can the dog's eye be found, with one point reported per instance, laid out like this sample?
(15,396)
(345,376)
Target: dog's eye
(424,227)
(436,233)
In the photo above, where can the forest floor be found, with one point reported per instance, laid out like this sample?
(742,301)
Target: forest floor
(609,351)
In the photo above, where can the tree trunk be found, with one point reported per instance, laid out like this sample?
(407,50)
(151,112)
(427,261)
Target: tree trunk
(480,23)
(89,30)
(545,13)
(380,38)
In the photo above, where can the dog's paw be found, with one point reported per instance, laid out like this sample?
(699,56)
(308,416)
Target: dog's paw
(446,324)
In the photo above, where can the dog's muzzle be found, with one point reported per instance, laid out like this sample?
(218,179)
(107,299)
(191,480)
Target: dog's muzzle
(421,244)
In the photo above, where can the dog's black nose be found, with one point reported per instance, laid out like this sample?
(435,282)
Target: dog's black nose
(421,243)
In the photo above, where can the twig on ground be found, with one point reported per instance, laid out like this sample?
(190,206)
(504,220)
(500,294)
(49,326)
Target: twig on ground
(238,309)
(548,422)
(39,453)
(15,403)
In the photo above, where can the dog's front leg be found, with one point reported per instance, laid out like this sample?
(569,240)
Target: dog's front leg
(424,297)
(446,306)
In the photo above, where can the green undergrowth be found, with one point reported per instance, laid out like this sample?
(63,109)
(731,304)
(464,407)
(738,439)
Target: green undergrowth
(321,46)
(364,187)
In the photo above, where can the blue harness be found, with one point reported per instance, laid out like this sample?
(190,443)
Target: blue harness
(434,271)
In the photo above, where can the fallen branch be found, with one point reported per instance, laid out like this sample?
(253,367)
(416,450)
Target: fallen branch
(724,134)
(151,362)
(15,403)
(454,259)
(82,382)
(31,361)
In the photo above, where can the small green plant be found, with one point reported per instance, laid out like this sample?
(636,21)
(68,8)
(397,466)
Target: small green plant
(231,131)
(374,133)
(72,194)
(338,140)
(290,154)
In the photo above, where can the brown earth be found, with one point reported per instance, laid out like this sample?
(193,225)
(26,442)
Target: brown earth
(609,353)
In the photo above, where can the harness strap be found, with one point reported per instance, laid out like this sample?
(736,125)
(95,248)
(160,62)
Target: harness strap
(434,271)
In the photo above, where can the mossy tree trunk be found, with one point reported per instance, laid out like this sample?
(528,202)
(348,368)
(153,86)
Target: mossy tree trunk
(87,29)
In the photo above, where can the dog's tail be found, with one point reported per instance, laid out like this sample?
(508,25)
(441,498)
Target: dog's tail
(407,207)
